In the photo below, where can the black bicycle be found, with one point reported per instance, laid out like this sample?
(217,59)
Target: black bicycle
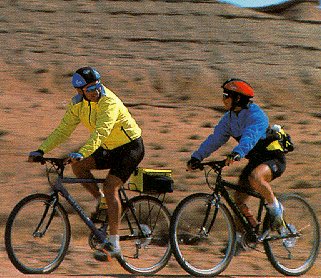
(203,235)
(38,230)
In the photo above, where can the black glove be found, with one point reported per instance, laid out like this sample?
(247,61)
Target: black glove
(35,156)
(234,156)
(194,163)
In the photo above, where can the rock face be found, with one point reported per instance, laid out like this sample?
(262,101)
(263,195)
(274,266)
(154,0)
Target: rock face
(183,43)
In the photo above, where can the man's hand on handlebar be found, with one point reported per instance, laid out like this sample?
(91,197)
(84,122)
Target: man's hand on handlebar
(231,158)
(193,164)
(35,156)
(75,157)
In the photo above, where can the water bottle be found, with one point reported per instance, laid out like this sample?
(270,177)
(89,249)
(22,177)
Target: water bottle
(276,128)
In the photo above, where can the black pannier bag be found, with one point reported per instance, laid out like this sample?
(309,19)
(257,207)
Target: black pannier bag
(151,181)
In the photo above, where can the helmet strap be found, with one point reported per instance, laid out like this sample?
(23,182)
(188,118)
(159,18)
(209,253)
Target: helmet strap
(235,102)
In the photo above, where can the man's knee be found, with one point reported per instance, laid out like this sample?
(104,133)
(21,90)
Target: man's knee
(112,184)
(260,174)
(82,169)
(254,177)
(75,168)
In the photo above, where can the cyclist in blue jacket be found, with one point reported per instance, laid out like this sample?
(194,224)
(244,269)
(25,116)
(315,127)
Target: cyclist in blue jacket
(247,123)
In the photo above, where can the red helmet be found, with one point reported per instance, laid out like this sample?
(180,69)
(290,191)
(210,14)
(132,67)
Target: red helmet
(238,86)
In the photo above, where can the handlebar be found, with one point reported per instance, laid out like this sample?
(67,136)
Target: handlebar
(216,165)
(51,160)
(56,163)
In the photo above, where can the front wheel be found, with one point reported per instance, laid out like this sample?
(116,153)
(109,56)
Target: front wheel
(144,236)
(293,249)
(202,234)
(37,234)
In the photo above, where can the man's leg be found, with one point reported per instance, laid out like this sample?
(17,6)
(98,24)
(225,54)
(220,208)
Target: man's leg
(81,170)
(111,187)
(260,179)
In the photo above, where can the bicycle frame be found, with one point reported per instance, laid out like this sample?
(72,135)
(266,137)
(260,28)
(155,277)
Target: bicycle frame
(245,223)
(58,187)
(220,191)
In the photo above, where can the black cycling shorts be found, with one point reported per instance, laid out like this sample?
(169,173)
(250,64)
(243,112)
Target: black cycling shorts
(277,164)
(122,161)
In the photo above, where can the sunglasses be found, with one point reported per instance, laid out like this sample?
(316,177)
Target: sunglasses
(93,88)
(226,95)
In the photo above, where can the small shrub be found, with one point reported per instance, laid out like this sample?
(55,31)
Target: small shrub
(40,71)
(3,133)
(303,122)
(159,164)
(184,150)
(207,125)
(184,97)
(191,176)
(181,187)
(44,91)
(280,117)
(157,146)
(194,137)
(302,185)
(317,115)
(164,131)
(35,105)
(311,142)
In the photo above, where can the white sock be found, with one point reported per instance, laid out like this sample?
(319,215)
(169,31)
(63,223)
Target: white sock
(274,205)
(114,239)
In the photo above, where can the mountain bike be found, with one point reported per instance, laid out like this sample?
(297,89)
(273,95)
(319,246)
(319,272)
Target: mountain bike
(38,229)
(203,233)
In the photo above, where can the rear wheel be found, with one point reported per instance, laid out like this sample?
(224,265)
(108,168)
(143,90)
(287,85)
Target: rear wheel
(202,235)
(145,248)
(293,249)
(37,234)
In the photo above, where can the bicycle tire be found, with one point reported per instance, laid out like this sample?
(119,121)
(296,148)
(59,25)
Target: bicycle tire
(190,240)
(28,250)
(294,256)
(145,255)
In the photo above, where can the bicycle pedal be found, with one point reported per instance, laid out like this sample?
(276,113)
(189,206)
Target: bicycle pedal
(109,257)
(263,236)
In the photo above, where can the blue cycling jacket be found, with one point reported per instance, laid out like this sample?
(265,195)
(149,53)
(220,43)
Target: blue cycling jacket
(247,127)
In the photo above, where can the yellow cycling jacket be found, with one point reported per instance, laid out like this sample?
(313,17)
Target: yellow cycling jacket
(108,120)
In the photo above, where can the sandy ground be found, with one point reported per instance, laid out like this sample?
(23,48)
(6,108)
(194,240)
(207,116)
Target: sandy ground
(166,60)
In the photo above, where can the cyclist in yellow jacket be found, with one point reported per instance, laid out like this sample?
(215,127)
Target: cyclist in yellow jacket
(114,143)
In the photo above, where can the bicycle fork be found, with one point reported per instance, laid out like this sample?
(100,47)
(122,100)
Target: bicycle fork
(213,202)
(52,203)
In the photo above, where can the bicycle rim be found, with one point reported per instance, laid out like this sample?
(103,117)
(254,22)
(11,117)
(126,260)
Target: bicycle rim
(32,250)
(295,255)
(199,251)
(149,253)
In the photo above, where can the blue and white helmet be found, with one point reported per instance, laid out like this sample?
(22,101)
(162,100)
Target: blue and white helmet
(84,76)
